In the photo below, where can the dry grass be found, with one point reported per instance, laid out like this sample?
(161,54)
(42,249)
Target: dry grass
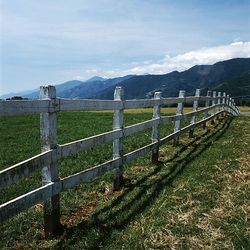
(244,109)
(218,226)
(150,110)
(163,110)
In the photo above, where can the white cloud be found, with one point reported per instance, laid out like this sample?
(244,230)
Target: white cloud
(179,62)
(78,78)
(201,56)
(186,60)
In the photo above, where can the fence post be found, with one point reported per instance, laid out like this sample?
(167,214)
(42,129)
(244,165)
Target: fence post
(238,111)
(227,103)
(230,104)
(117,143)
(234,108)
(213,105)
(234,113)
(219,102)
(179,111)
(48,137)
(234,105)
(223,103)
(207,103)
(156,128)
(195,108)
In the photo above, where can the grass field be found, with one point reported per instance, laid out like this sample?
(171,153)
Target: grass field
(244,109)
(196,197)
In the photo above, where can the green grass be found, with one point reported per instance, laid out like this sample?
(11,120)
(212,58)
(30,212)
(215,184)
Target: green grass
(196,197)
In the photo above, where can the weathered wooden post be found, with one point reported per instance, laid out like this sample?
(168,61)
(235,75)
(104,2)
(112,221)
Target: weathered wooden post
(48,134)
(223,103)
(227,103)
(156,128)
(238,111)
(230,105)
(233,105)
(219,102)
(179,112)
(207,103)
(117,143)
(235,108)
(195,108)
(213,105)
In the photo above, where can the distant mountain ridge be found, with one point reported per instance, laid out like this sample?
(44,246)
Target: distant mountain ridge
(199,76)
(74,88)
(90,88)
(22,94)
(231,76)
(60,88)
(237,86)
(95,78)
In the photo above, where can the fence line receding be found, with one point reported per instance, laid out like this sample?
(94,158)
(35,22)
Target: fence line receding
(47,161)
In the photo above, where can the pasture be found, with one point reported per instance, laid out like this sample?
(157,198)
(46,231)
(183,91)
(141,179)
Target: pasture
(196,196)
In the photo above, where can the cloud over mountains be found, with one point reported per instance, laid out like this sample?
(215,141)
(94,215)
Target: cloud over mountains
(186,60)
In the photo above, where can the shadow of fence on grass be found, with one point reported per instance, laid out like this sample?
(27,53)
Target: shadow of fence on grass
(134,200)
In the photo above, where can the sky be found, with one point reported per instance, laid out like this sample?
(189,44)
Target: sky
(52,41)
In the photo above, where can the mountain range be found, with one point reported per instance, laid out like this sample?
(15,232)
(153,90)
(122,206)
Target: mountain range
(231,76)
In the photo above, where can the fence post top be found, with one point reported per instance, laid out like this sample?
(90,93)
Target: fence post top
(119,93)
(48,91)
(118,87)
(224,94)
(209,93)
(182,93)
(219,93)
(157,95)
(197,92)
(214,93)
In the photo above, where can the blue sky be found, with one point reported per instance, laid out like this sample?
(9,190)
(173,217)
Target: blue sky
(52,41)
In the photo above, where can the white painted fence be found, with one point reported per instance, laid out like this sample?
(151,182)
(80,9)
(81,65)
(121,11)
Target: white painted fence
(48,106)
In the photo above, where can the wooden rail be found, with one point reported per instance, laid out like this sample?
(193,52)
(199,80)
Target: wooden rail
(48,106)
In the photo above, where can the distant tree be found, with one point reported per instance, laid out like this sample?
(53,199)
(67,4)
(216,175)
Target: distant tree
(17,98)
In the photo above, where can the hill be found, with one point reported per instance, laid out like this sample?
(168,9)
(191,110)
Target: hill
(90,88)
(237,86)
(231,76)
(74,88)
(199,76)
(22,94)
(62,88)
(34,94)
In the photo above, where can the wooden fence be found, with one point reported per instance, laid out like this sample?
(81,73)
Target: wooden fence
(47,161)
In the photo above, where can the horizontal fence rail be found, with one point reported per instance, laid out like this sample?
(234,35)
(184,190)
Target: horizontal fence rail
(23,107)
(52,152)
